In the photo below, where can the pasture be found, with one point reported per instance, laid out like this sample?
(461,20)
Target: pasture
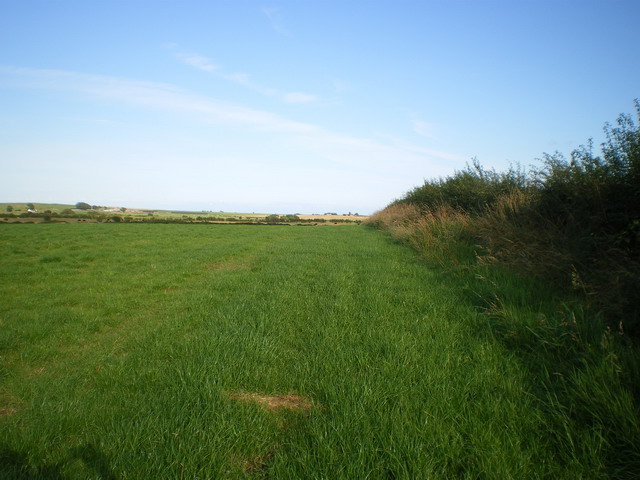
(235,351)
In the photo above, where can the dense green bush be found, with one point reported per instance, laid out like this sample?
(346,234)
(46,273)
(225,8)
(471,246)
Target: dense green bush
(470,190)
(576,224)
(575,221)
(594,202)
(597,193)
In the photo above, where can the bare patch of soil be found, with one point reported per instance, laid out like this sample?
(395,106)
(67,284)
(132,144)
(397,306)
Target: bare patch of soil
(7,411)
(7,405)
(35,372)
(257,465)
(290,401)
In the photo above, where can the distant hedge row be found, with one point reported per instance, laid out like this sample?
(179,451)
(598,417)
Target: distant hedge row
(101,217)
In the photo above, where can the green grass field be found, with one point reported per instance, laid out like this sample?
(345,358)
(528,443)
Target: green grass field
(214,351)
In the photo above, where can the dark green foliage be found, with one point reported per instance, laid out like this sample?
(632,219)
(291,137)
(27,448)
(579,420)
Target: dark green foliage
(594,201)
(83,206)
(281,218)
(470,190)
(576,221)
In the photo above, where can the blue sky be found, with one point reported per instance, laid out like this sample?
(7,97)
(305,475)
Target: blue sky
(297,106)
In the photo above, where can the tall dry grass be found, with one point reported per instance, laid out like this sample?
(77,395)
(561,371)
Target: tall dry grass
(513,233)
(584,373)
(398,219)
(436,234)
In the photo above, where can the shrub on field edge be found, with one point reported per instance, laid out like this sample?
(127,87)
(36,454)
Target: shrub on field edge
(575,223)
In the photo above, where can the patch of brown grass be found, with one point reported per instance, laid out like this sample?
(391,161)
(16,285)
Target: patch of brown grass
(397,219)
(8,405)
(257,465)
(35,372)
(8,411)
(512,233)
(438,228)
(434,233)
(290,401)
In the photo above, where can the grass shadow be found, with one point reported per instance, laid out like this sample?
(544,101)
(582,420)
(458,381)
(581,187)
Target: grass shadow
(16,465)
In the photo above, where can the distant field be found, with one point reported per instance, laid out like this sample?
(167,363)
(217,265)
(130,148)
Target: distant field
(22,207)
(210,351)
(18,208)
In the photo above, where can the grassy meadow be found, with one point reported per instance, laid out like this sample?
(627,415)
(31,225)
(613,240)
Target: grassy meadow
(234,351)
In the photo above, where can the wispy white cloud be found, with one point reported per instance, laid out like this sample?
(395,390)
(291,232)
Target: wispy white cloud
(148,94)
(338,85)
(205,64)
(246,81)
(277,21)
(421,127)
(196,61)
(348,169)
(420,150)
(424,128)
(299,97)
(338,149)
